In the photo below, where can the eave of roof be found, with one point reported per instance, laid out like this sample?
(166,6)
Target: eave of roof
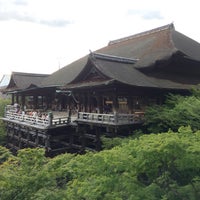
(21,80)
(88,84)
(127,74)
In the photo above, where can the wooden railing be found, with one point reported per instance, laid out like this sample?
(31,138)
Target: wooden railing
(94,118)
(111,119)
(27,118)
(12,114)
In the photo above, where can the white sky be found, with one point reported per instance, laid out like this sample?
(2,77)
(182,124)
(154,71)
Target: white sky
(39,36)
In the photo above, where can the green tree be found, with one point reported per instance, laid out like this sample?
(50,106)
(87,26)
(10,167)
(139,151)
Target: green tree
(153,167)
(3,103)
(177,111)
(5,154)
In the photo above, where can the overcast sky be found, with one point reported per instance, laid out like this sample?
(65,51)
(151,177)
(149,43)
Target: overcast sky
(41,36)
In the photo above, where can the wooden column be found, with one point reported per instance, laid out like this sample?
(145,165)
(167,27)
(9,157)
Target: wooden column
(88,102)
(13,99)
(17,98)
(82,138)
(23,101)
(98,140)
(84,103)
(47,143)
(115,103)
(71,139)
(35,101)
(130,104)
(28,136)
(100,103)
(36,139)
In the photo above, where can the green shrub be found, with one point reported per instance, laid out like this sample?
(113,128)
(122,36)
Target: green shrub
(3,103)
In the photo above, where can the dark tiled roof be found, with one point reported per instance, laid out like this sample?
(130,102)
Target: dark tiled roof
(21,80)
(66,74)
(89,84)
(146,49)
(154,45)
(186,45)
(126,73)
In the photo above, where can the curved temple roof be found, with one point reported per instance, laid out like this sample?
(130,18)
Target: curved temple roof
(125,59)
(21,81)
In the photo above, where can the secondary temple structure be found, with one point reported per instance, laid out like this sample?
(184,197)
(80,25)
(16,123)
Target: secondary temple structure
(104,92)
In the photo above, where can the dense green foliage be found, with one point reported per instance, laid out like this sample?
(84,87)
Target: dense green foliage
(177,111)
(3,103)
(157,166)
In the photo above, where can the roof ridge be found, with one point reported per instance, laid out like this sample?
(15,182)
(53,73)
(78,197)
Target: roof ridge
(114,58)
(29,73)
(165,27)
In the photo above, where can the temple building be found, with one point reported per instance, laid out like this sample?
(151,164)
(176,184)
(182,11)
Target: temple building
(113,85)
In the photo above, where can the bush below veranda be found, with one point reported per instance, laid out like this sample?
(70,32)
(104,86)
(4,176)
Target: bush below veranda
(156,166)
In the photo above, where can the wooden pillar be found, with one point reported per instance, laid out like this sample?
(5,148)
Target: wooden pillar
(115,103)
(71,139)
(28,136)
(36,139)
(23,101)
(98,140)
(84,103)
(88,102)
(35,101)
(17,98)
(100,103)
(20,138)
(130,104)
(13,99)
(47,143)
(50,118)
(82,138)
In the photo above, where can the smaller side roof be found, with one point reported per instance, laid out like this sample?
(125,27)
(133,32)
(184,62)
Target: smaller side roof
(121,70)
(22,80)
(126,73)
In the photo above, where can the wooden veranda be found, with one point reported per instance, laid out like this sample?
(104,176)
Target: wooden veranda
(60,131)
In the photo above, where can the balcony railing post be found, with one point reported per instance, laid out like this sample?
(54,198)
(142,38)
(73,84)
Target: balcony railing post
(50,118)
(115,117)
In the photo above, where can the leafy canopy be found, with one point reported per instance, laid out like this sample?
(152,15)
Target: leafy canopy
(155,166)
(177,111)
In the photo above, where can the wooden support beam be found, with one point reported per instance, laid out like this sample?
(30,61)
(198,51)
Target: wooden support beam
(82,139)
(98,140)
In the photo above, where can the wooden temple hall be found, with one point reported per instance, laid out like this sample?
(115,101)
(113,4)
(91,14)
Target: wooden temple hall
(105,92)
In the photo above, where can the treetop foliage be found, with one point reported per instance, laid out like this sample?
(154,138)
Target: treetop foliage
(3,103)
(155,166)
(177,111)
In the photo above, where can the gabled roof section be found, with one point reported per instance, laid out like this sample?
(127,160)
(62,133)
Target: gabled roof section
(152,46)
(126,73)
(65,74)
(93,70)
(121,70)
(21,80)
